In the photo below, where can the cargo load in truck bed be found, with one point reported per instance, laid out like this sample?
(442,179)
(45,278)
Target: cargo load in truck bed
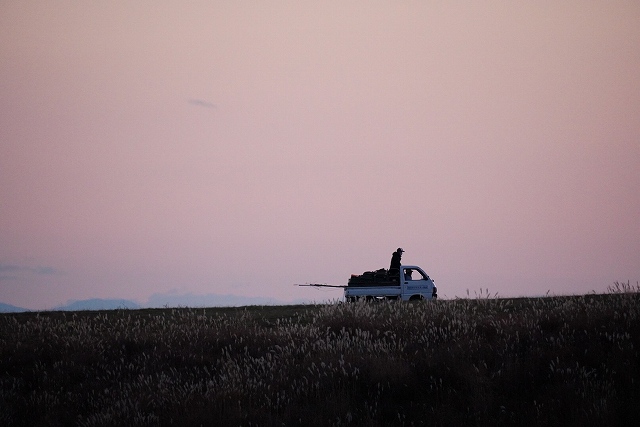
(380,277)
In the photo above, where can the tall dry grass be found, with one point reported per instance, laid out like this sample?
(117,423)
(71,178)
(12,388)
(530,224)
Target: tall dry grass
(482,361)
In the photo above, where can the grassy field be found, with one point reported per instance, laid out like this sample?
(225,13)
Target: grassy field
(483,361)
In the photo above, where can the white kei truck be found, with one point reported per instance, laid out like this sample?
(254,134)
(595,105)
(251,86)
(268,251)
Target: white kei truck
(408,283)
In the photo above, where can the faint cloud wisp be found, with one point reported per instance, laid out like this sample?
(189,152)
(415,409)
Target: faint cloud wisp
(202,103)
(12,271)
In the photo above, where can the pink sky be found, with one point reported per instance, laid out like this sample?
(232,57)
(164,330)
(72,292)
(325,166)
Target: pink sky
(239,147)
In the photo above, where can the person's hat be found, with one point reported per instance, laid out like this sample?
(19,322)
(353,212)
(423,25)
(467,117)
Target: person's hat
(400,250)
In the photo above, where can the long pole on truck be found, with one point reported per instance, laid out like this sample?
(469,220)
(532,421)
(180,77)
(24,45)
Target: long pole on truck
(322,285)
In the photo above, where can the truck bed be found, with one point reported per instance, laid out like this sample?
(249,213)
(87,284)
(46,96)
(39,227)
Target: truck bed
(373,290)
(373,284)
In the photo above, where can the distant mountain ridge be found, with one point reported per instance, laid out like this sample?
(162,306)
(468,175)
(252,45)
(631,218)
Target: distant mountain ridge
(208,300)
(159,301)
(8,308)
(98,304)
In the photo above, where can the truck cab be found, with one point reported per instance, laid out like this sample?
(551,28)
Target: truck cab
(416,283)
(408,283)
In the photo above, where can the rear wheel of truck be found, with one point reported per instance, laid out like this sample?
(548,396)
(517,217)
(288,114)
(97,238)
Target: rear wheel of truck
(416,298)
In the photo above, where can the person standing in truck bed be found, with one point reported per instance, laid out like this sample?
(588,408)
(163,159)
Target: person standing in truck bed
(394,268)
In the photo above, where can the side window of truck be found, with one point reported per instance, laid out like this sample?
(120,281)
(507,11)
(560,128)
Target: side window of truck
(412,274)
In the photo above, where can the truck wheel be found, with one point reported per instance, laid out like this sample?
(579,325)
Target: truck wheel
(416,298)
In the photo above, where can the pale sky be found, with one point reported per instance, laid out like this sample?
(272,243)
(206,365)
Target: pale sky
(239,147)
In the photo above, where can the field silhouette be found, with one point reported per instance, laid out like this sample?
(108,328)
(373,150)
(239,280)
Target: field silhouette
(569,360)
